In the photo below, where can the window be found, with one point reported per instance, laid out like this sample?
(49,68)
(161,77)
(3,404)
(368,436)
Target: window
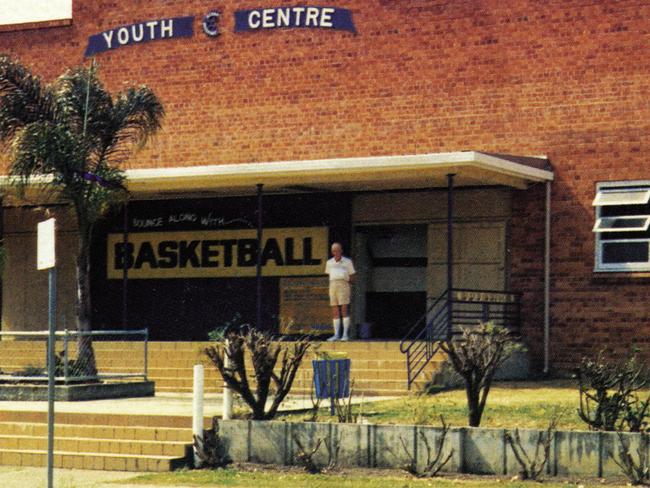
(18,12)
(622,226)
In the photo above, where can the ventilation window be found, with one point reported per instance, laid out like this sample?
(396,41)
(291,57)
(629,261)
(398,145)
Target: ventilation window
(621,228)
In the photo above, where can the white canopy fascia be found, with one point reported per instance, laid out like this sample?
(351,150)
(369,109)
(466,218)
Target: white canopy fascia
(375,173)
(472,168)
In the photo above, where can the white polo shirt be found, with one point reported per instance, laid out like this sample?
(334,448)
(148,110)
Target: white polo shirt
(339,270)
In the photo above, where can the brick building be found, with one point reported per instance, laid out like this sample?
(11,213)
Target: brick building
(352,116)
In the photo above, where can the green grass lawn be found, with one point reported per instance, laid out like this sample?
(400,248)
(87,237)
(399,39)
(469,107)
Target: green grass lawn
(509,404)
(265,478)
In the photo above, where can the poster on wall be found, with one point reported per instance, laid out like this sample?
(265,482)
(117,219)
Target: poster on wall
(304,305)
(293,251)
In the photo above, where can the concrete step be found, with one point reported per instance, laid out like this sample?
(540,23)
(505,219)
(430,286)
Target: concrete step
(91,460)
(97,445)
(159,434)
(97,440)
(170,364)
(99,419)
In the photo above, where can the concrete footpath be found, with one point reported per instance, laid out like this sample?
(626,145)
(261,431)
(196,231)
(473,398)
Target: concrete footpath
(163,404)
(27,477)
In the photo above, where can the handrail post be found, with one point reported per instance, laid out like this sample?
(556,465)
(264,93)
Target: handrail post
(146,352)
(65,355)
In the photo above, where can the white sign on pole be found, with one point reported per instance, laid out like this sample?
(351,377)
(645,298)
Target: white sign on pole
(45,256)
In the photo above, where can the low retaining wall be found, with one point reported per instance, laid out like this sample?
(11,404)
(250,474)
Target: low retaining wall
(475,450)
(78,392)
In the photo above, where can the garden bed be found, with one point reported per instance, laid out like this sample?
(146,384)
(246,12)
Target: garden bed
(77,391)
(528,405)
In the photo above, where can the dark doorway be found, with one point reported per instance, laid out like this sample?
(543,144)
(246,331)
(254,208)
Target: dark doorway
(392,314)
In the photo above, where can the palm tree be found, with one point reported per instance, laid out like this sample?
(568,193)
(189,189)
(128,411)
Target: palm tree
(68,135)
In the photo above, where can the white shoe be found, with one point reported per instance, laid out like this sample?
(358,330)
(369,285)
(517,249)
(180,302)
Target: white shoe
(334,338)
(345,338)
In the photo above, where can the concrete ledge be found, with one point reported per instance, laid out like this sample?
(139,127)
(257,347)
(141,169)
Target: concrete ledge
(475,450)
(73,393)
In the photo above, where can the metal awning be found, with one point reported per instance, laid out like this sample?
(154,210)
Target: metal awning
(472,168)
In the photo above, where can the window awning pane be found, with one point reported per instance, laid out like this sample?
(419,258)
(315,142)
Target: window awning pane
(622,224)
(622,196)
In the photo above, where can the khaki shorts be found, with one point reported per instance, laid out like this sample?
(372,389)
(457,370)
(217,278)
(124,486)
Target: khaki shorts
(339,292)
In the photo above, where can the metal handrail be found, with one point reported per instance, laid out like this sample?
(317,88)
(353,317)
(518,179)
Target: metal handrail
(430,331)
(418,323)
(66,335)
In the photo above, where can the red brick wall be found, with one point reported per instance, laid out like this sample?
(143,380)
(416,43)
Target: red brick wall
(565,78)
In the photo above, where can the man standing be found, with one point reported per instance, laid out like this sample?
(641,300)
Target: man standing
(341,272)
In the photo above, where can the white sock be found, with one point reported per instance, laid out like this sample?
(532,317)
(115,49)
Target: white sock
(337,327)
(346,326)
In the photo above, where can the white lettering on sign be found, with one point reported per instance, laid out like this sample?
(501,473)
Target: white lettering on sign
(311,18)
(270,18)
(167,28)
(152,28)
(123,35)
(326,17)
(137,37)
(298,12)
(284,17)
(108,37)
(254,24)
(137,31)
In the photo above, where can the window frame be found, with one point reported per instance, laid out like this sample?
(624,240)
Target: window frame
(612,186)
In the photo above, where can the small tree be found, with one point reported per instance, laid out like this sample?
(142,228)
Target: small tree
(264,355)
(476,356)
(70,136)
(609,394)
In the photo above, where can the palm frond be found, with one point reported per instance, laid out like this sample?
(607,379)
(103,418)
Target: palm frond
(137,116)
(85,102)
(23,98)
(43,148)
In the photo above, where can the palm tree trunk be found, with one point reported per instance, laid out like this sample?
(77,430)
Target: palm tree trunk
(85,353)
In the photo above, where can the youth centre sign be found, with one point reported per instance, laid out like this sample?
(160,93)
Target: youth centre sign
(296,251)
(245,21)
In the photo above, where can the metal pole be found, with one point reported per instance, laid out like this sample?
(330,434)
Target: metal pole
(258,274)
(51,319)
(197,411)
(227,391)
(66,357)
(547,279)
(125,270)
(450,252)
(146,353)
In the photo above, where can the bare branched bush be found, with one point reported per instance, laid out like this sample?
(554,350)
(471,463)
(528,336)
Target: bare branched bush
(533,466)
(210,450)
(315,407)
(435,461)
(305,457)
(265,354)
(636,470)
(476,356)
(609,394)
(343,408)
